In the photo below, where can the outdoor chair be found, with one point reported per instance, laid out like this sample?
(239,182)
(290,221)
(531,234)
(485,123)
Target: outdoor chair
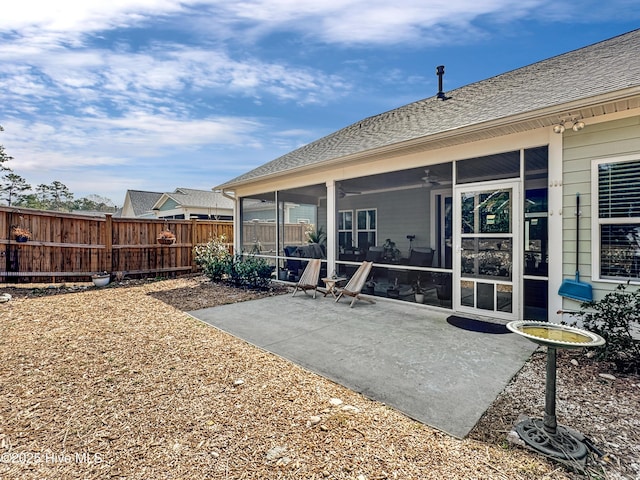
(309,278)
(356,284)
(374,254)
(420,257)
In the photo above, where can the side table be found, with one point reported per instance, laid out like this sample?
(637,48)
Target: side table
(331,285)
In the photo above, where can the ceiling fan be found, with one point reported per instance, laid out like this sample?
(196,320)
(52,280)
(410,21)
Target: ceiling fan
(429,179)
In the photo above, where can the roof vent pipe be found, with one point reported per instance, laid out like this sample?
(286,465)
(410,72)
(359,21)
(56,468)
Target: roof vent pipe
(440,73)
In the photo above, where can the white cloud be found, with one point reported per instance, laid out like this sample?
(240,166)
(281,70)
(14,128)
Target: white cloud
(371,22)
(334,21)
(94,84)
(78,141)
(82,15)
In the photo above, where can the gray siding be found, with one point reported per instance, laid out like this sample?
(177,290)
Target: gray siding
(400,213)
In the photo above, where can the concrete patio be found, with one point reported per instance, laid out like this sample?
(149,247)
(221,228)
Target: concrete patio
(398,353)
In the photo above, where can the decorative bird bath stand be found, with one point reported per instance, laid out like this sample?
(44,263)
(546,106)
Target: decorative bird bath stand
(546,436)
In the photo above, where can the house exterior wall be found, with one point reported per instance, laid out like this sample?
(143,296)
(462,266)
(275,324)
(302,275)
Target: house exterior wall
(414,205)
(570,161)
(598,141)
(127,209)
(170,204)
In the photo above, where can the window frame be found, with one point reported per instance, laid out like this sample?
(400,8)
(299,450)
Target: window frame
(368,229)
(345,230)
(597,222)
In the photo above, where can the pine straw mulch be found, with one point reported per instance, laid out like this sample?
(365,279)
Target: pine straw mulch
(119,383)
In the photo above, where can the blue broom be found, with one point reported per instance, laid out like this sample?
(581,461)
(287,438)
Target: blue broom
(575,289)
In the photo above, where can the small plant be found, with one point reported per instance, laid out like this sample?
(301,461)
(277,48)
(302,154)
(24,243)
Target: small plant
(214,258)
(250,271)
(613,318)
(418,287)
(391,252)
(256,248)
(318,236)
(21,232)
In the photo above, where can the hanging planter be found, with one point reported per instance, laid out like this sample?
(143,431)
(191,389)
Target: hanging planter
(21,234)
(166,237)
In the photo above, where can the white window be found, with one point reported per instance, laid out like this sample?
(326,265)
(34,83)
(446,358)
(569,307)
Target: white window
(616,210)
(366,228)
(345,229)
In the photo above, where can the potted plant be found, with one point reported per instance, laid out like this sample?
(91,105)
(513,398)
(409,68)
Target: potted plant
(418,292)
(391,252)
(101,279)
(317,236)
(166,237)
(369,287)
(442,282)
(21,234)
(393,291)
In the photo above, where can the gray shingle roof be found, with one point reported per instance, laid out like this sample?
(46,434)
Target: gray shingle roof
(189,197)
(142,202)
(598,69)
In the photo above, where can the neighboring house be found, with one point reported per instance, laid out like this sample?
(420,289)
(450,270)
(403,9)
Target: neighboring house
(292,212)
(482,182)
(187,203)
(139,204)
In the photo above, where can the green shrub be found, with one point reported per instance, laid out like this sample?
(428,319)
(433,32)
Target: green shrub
(214,258)
(250,271)
(613,318)
(242,271)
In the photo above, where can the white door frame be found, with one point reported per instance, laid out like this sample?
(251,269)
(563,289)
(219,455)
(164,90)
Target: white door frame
(516,282)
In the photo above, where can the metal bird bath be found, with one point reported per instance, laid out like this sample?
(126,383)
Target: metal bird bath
(546,436)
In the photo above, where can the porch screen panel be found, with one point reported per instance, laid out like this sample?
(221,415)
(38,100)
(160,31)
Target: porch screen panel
(619,219)
(259,227)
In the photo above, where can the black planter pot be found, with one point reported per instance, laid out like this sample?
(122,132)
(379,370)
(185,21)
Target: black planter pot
(368,289)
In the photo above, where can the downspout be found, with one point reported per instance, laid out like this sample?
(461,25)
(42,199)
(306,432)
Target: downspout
(237,224)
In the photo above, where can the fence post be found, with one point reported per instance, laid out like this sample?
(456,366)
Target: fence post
(194,242)
(108,246)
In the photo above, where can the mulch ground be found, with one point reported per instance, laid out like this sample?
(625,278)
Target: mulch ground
(118,382)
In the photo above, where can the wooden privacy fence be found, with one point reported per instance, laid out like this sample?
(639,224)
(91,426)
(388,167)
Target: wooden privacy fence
(74,247)
(260,237)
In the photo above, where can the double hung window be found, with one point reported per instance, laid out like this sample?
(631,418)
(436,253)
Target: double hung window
(345,229)
(617,204)
(367,228)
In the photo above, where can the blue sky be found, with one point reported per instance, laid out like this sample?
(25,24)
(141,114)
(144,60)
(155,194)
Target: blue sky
(158,94)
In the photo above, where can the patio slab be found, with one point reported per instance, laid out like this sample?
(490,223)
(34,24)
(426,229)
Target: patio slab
(403,355)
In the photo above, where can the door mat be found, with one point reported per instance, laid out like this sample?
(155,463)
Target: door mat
(477,325)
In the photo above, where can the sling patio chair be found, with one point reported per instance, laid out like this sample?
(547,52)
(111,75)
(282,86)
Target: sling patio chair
(309,278)
(356,283)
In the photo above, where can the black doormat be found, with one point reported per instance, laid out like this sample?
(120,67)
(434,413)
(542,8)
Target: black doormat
(477,325)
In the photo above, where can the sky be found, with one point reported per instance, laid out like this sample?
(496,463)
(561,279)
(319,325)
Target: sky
(153,95)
